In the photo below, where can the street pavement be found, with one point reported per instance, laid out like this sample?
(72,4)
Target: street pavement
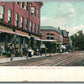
(5,60)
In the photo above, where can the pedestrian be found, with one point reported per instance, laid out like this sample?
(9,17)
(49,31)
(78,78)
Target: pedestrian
(21,50)
(29,52)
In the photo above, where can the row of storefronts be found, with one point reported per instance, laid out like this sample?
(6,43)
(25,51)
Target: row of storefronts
(55,40)
(17,42)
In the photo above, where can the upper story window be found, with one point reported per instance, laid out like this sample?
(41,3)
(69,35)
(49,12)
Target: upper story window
(16,19)
(1,13)
(30,26)
(48,34)
(41,33)
(21,25)
(30,4)
(35,28)
(22,4)
(26,6)
(9,16)
(47,37)
(17,3)
(33,11)
(37,14)
(26,26)
(57,37)
(52,36)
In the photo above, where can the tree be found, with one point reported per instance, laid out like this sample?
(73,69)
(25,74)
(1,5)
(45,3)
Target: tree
(78,40)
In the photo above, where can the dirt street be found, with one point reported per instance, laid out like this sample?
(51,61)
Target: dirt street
(64,59)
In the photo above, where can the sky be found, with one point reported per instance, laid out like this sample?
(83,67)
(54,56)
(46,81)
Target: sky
(66,15)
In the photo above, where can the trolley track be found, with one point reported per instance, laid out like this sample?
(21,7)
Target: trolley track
(55,60)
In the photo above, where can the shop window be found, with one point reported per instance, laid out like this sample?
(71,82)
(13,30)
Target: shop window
(33,11)
(30,26)
(21,25)
(26,24)
(35,28)
(16,19)
(9,16)
(37,14)
(1,13)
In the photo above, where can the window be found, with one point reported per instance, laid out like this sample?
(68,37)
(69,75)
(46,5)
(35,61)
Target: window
(52,38)
(17,3)
(21,25)
(9,16)
(57,37)
(30,4)
(22,4)
(16,19)
(1,13)
(47,37)
(30,26)
(35,28)
(26,6)
(26,24)
(33,11)
(47,33)
(37,14)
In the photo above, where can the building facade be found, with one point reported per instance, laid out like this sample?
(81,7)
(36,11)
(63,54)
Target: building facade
(52,38)
(65,35)
(19,26)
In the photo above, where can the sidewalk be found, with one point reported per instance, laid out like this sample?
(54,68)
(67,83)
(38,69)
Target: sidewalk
(5,60)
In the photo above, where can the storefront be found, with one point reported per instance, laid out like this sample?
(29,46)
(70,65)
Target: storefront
(35,43)
(6,38)
(51,46)
(22,40)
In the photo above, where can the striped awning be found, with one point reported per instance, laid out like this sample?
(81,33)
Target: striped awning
(23,35)
(50,40)
(5,31)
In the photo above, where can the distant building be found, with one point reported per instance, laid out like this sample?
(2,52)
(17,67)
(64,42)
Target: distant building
(52,38)
(65,36)
(20,24)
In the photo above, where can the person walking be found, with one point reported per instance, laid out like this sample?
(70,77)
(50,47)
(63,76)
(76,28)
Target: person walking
(30,52)
(21,50)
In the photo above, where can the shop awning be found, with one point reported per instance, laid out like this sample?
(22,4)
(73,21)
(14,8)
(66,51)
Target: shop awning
(63,47)
(49,40)
(5,31)
(38,39)
(23,35)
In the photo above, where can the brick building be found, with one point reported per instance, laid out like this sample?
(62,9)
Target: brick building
(19,26)
(52,38)
(65,35)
